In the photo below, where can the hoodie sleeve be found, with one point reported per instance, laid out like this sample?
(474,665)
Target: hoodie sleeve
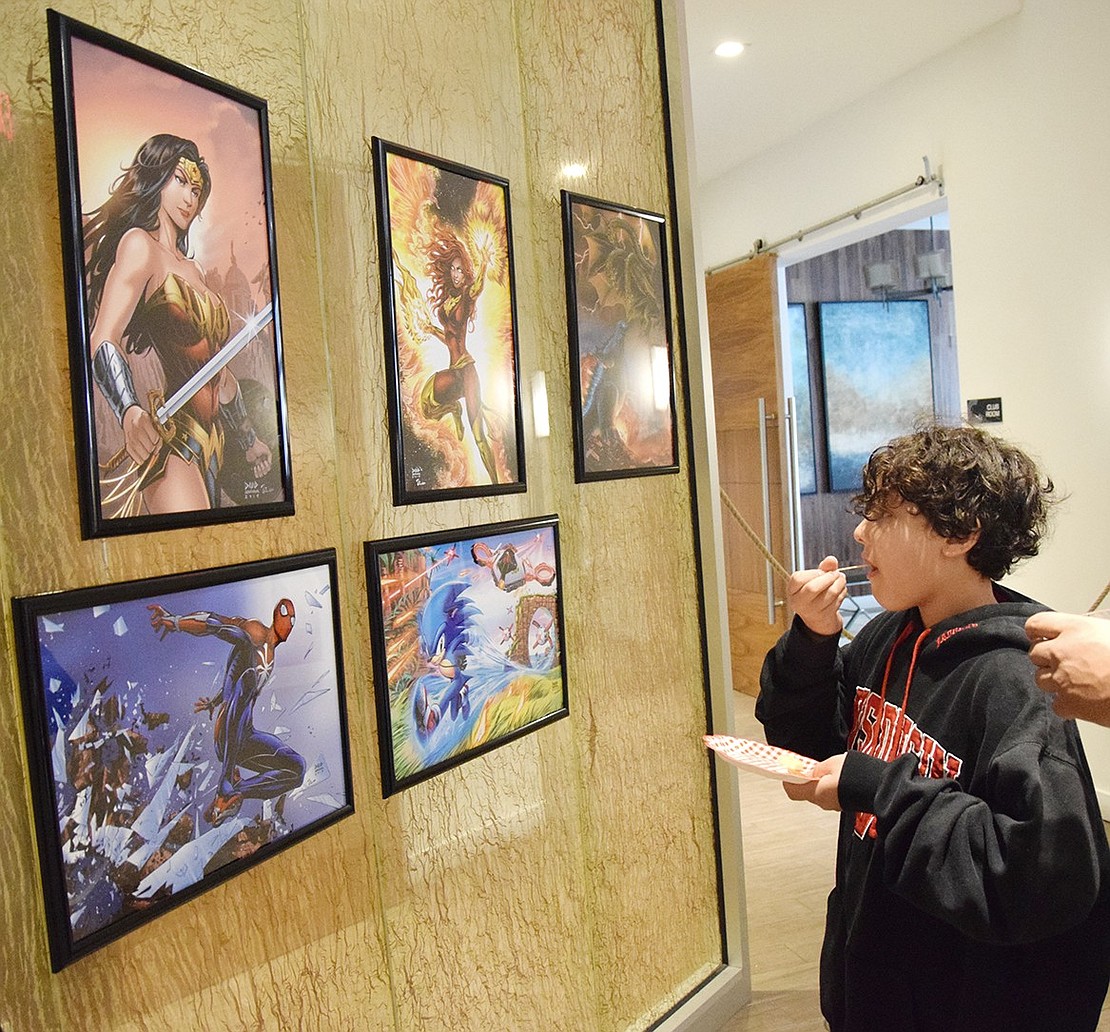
(1018,862)
(799,690)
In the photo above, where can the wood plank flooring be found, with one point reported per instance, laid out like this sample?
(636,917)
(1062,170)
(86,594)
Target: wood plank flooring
(789,849)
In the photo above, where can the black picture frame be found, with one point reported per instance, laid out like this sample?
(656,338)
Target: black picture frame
(467,638)
(172,284)
(451,346)
(621,349)
(797,332)
(143,795)
(876,360)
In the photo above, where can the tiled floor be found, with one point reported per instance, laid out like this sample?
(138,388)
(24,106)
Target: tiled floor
(788,865)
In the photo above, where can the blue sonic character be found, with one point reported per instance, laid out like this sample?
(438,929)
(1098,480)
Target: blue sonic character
(445,625)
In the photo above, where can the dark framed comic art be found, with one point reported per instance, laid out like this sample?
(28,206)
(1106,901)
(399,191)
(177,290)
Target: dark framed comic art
(449,310)
(619,325)
(172,302)
(467,634)
(180,729)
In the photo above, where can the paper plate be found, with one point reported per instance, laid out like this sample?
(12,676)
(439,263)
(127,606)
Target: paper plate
(761,758)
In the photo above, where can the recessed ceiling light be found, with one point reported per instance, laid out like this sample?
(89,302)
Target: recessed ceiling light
(729,48)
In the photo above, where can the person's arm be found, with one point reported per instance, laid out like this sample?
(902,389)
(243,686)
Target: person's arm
(232,629)
(197,624)
(233,411)
(1072,657)
(123,289)
(1015,856)
(798,702)
(484,259)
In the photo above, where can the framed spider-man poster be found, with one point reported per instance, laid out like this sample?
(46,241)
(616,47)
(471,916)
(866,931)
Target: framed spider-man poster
(468,643)
(179,730)
(619,322)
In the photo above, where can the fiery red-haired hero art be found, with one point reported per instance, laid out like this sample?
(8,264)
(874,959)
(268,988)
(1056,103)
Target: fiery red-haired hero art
(451,345)
(172,290)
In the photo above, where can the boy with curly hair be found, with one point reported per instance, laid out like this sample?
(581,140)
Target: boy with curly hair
(972,875)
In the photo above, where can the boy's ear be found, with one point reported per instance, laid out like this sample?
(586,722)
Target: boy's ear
(960,546)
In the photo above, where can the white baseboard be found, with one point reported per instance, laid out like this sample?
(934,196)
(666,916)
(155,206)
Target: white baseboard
(723,996)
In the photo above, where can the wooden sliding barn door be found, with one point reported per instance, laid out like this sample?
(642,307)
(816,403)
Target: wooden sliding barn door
(742,303)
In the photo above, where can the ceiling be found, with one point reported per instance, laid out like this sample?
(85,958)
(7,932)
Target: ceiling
(805,59)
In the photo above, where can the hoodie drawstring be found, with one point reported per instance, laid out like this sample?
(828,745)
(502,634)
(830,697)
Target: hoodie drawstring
(903,635)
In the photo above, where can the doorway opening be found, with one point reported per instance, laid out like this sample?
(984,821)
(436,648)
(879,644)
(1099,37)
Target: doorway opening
(869,339)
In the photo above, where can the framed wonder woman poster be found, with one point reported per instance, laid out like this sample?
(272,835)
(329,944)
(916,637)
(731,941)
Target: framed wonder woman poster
(171,289)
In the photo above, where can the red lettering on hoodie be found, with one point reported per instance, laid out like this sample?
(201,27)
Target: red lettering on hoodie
(942,638)
(882,729)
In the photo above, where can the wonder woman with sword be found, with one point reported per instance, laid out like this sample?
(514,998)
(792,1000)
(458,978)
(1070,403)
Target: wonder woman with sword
(145,293)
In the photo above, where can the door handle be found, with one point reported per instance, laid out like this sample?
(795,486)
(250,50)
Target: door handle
(793,492)
(765,484)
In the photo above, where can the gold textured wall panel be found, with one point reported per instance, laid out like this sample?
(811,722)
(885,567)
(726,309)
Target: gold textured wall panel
(564,881)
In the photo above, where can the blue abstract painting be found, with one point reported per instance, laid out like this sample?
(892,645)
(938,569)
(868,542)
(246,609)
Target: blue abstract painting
(878,379)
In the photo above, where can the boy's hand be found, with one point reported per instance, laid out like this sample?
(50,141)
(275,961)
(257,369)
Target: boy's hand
(825,790)
(817,595)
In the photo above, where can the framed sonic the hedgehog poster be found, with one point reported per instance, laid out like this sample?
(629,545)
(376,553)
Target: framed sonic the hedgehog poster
(449,309)
(170,269)
(467,642)
(179,730)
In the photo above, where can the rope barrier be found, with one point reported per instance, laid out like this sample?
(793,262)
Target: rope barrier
(768,554)
(1098,601)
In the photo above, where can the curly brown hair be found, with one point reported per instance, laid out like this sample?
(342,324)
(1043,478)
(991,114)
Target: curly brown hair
(963,479)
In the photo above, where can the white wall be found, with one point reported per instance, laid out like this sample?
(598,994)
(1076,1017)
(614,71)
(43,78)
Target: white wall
(1017,120)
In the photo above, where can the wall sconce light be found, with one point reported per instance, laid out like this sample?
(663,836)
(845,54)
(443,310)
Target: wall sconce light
(540,421)
(932,267)
(879,275)
(660,379)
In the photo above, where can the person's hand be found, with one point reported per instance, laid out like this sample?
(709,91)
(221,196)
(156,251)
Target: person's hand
(140,436)
(1072,657)
(824,791)
(817,595)
(160,620)
(259,457)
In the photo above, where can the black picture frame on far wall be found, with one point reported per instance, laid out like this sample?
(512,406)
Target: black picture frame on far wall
(621,352)
(172,300)
(180,729)
(449,312)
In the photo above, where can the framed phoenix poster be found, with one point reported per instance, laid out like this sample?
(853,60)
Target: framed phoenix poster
(619,320)
(179,730)
(171,284)
(468,643)
(449,308)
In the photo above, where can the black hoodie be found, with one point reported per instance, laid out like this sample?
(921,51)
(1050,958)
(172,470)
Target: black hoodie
(972,874)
